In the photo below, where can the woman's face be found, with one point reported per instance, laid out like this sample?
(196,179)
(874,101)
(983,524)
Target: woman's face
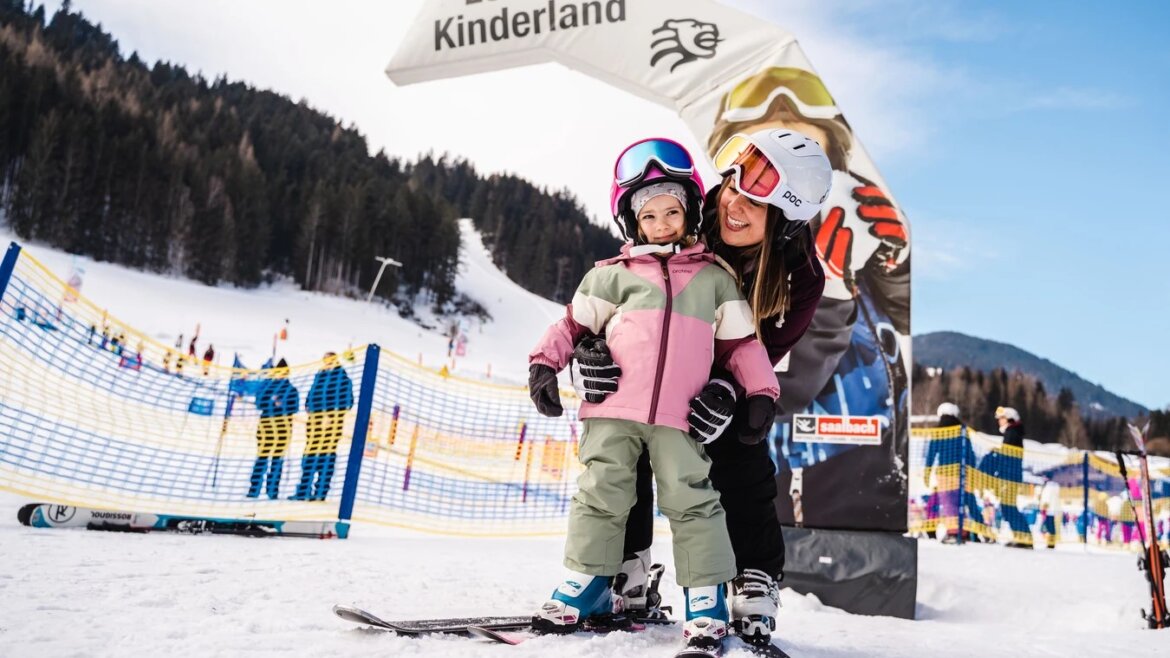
(741,220)
(662,220)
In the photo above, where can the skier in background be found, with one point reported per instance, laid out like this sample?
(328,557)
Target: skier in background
(277,399)
(178,354)
(328,400)
(1051,511)
(1008,470)
(208,357)
(952,452)
(1106,522)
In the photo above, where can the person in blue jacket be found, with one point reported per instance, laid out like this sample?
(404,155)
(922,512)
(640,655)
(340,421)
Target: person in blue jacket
(952,453)
(1009,470)
(277,400)
(329,398)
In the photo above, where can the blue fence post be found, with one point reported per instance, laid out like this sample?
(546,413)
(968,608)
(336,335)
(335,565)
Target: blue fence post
(7,266)
(1085,498)
(361,426)
(961,494)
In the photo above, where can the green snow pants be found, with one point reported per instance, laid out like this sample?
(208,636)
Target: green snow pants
(609,451)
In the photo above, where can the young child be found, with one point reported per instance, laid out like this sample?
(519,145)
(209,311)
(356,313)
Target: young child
(668,311)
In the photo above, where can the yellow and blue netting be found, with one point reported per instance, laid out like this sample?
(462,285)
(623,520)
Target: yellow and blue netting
(964,484)
(95,413)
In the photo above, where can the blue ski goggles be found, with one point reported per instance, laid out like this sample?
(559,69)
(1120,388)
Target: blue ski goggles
(670,156)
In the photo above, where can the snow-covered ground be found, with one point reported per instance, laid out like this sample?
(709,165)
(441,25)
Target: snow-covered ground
(78,593)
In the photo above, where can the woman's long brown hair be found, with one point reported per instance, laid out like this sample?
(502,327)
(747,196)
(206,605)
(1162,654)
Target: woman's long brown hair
(770,293)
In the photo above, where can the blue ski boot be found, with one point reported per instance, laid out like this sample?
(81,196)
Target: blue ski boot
(705,627)
(579,598)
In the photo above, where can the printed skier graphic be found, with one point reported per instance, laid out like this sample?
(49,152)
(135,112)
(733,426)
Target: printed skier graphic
(851,364)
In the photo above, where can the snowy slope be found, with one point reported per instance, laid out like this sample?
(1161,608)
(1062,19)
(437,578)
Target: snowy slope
(244,321)
(77,593)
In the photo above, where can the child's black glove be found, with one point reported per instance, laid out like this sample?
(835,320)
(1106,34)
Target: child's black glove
(711,411)
(754,422)
(543,389)
(593,370)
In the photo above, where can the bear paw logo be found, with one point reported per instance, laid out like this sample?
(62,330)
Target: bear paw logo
(685,38)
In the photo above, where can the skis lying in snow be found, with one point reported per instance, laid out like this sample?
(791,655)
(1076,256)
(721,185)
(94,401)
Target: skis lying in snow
(464,625)
(452,625)
(45,515)
(514,630)
(503,637)
(1153,560)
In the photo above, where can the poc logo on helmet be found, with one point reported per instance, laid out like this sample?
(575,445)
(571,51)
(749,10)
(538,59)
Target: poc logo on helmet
(788,195)
(687,38)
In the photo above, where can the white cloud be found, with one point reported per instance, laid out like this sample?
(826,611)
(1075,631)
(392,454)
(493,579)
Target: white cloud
(1073,98)
(944,249)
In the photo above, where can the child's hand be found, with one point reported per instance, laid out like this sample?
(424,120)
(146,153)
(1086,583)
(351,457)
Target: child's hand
(594,371)
(711,411)
(753,425)
(543,389)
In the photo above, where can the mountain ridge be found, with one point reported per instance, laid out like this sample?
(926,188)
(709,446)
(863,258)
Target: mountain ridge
(952,349)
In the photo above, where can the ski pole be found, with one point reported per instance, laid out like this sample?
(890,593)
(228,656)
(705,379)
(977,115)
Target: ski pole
(1128,497)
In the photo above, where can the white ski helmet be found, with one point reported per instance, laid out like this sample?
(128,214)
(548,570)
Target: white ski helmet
(948,409)
(1007,413)
(780,167)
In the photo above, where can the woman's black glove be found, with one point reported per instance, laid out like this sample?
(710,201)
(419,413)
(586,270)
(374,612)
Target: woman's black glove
(593,370)
(711,411)
(543,389)
(755,421)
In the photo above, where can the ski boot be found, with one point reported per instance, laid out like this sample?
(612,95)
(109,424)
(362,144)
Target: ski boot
(637,586)
(705,627)
(755,600)
(579,598)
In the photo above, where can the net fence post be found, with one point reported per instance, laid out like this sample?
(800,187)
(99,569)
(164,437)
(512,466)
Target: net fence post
(361,427)
(1085,497)
(961,494)
(7,265)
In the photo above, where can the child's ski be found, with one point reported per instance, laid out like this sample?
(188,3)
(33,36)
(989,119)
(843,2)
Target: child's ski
(454,625)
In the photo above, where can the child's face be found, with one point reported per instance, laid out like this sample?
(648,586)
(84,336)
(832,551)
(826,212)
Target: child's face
(662,220)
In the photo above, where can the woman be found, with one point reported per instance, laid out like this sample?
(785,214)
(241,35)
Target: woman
(756,221)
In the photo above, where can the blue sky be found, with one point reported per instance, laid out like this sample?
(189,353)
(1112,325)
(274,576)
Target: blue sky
(1033,182)
(1024,140)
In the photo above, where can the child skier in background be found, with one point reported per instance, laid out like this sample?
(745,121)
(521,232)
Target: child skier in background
(668,310)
